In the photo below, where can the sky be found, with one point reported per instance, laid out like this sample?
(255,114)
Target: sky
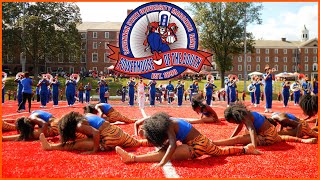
(279,19)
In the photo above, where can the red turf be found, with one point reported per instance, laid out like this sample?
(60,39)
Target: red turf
(282,160)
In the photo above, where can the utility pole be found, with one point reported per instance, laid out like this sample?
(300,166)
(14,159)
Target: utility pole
(245,50)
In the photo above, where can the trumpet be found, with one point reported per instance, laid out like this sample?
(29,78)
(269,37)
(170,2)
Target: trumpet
(295,87)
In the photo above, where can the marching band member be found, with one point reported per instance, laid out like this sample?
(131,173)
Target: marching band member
(102,90)
(123,93)
(19,90)
(285,92)
(88,88)
(306,86)
(55,84)
(70,91)
(209,86)
(252,95)
(268,78)
(152,92)
(141,94)
(26,91)
(43,84)
(131,84)
(3,90)
(194,88)
(106,94)
(315,86)
(232,91)
(160,90)
(180,91)
(226,88)
(169,89)
(257,92)
(80,92)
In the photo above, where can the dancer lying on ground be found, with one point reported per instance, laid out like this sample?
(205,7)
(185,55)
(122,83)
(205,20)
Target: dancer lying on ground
(309,105)
(101,135)
(293,126)
(164,132)
(25,126)
(208,115)
(261,131)
(8,126)
(106,109)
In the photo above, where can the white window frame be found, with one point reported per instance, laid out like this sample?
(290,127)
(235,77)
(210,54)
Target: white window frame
(239,67)
(85,58)
(49,70)
(315,50)
(294,68)
(285,68)
(285,51)
(9,60)
(294,59)
(258,67)
(106,45)
(249,58)
(266,51)
(306,59)
(276,67)
(285,59)
(315,67)
(257,51)
(266,59)
(94,45)
(85,46)
(71,69)
(306,67)
(258,59)
(93,55)
(248,67)
(106,35)
(239,58)
(240,76)
(95,35)
(315,59)
(276,51)
(105,58)
(276,59)
(83,35)
(306,50)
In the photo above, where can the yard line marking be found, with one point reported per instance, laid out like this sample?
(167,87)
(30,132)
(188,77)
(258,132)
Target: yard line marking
(168,169)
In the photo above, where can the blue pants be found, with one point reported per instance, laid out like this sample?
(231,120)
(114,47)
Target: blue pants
(228,96)
(70,97)
(232,96)
(152,97)
(55,98)
(131,98)
(87,97)
(285,97)
(252,97)
(156,43)
(180,98)
(123,97)
(296,97)
(102,99)
(209,97)
(20,100)
(257,95)
(3,95)
(44,97)
(268,95)
(170,99)
(81,97)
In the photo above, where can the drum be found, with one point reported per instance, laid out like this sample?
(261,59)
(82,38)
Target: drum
(194,93)
(106,95)
(158,94)
(171,94)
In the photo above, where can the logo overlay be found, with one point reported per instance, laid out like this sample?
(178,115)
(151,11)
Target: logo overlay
(158,41)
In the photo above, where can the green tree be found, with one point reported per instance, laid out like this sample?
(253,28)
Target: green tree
(221,29)
(43,31)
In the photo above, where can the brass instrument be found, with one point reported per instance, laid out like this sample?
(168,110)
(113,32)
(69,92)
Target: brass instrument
(19,76)
(251,87)
(75,77)
(295,87)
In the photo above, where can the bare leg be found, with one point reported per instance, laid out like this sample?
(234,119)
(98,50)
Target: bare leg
(82,145)
(8,126)
(10,138)
(295,139)
(291,132)
(241,139)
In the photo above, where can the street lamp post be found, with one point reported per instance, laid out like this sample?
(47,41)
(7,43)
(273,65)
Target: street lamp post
(245,50)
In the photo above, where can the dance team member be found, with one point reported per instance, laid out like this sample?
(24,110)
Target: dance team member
(208,115)
(164,132)
(8,126)
(309,105)
(107,110)
(101,135)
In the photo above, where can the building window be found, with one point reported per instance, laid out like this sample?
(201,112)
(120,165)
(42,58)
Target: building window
(71,70)
(293,51)
(306,59)
(276,67)
(276,51)
(275,59)
(106,59)
(95,35)
(315,59)
(258,51)
(315,67)
(315,51)
(258,67)
(239,67)
(60,69)
(94,57)
(83,45)
(306,67)
(306,50)
(294,68)
(240,59)
(294,59)
(95,69)
(258,59)
(83,58)
(106,35)
(267,51)
(9,59)
(49,69)
(249,67)
(267,59)
(94,45)
(249,58)
(285,59)
(106,45)
(240,76)
(83,35)
(284,51)
(285,68)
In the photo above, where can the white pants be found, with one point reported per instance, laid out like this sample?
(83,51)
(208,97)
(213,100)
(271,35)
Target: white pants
(141,99)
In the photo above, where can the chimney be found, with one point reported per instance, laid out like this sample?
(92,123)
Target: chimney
(283,39)
(129,11)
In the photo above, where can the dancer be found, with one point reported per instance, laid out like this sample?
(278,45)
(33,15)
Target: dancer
(309,105)
(106,109)
(8,126)
(208,115)
(164,132)
(101,135)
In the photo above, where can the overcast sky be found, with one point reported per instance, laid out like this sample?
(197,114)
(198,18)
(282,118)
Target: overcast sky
(279,19)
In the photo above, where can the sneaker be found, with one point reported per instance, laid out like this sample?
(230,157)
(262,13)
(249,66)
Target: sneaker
(266,111)
(255,105)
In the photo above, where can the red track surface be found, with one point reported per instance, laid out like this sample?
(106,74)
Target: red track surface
(282,160)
